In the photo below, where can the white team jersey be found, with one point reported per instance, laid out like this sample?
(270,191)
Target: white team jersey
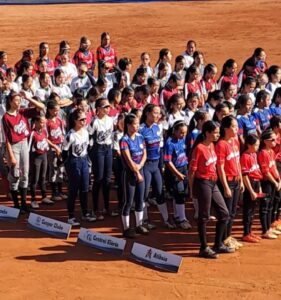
(76,143)
(156,70)
(63,91)
(43,93)
(70,72)
(188,59)
(102,130)
(116,139)
(272,87)
(82,83)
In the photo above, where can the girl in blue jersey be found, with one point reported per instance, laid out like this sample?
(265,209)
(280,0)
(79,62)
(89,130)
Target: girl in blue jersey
(176,163)
(133,153)
(262,113)
(152,136)
(246,122)
(275,106)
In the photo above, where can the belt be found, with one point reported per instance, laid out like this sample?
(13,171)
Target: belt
(232,178)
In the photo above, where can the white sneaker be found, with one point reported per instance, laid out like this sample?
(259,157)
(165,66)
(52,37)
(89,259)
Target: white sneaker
(34,204)
(63,196)
(73,222)
(184,225)
(89,218)
(46,200)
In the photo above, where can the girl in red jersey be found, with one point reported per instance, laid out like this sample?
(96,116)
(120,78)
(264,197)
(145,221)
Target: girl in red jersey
(229,171)
(228,73)
(44,54)
(270,182)
(203,187)
(251,177)
(275,125)
(39,146)
(16,128)
(208,81)
(154,85)
(105,51)
(84,54)
(56,131)
(193,84)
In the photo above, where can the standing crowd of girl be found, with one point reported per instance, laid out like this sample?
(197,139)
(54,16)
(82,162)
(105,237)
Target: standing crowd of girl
(171,132)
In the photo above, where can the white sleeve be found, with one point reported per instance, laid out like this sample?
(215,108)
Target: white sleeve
(67,142)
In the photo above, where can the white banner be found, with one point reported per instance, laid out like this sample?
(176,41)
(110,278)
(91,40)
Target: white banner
(101,241)
(155,257)
(50,226)
(9,213)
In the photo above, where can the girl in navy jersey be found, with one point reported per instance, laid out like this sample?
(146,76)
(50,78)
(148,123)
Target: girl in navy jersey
(16,128)
(251,177)
(229,172)
(261,112)
(270,182)
(176,162)
(133,151)
(275,106)
(246,122)
(56,130)
(101,130)
(228,73)
(39,146)
(151,133)
(203,187)
(75,156)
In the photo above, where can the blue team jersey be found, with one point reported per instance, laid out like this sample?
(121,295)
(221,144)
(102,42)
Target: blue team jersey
(246,125)
(174,152)
(262,117)
(190,139)
(275,110)
(152,137)
(136,146)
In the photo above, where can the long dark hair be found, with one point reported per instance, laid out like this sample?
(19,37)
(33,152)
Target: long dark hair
(208,126)
(198,115)
(228,64)
(250,140)
(73,117)
(129,119)
(225,123)
(148,108)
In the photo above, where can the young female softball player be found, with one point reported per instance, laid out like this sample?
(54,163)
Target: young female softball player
(275,106)
(56,131)
(203,187)
(27,55)
(229,91)
(39,146)
(170,89)
(162,75)
(154,86)
(274,76)
(75,157)
(165,56)
(67,67)
(248,87)
(214,99)
(175,111)
(64,49)
(133,151)
(145,63)
(270,183)
(16,128)
(188,53)
(228,73)
(106,52)
(3,63)
(198,57)
(192,102)
(176,162)
(262,112)
(221,111)
(44,90)
(252,177)
(208,81)
(229,172)
(44,54)
(101,129)
(150,131)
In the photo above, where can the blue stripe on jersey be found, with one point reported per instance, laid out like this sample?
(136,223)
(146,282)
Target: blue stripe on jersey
(248,124)
(174,152)
(136,147)
(263,116)
(152,137)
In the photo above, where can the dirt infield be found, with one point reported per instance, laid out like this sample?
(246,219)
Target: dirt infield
(34,266)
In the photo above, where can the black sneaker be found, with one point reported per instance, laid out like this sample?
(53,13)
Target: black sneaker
(224,249)
(129,233)
(142,230)
(149,225)
(25,209)
(208,253)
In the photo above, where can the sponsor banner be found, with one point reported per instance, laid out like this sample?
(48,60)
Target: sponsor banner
(50,226)
(101,241)
(157,258)
(9,213)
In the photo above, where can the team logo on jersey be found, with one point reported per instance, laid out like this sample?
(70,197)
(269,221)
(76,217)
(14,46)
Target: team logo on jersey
(21,128)
(56,133)
(42,145)
(210,161)
(141,146)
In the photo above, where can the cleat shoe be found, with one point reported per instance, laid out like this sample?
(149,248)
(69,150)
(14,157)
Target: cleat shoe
(34,204)
(48,201)
(208,253)
(256,236)
(89,218)
(73,222)
(170,224)
(224,249)
(249,239)
(149,225)
(269,235)
(129,233)
(142,230)
(184,225)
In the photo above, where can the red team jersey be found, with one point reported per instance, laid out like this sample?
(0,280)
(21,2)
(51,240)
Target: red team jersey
(267,163)
(203,162)
(38,141)
(84,56)
(107,54)
(249,166)
(55,131)
(228,154)
(16,128)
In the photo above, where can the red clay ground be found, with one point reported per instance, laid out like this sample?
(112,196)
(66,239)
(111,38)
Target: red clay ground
(34,266)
